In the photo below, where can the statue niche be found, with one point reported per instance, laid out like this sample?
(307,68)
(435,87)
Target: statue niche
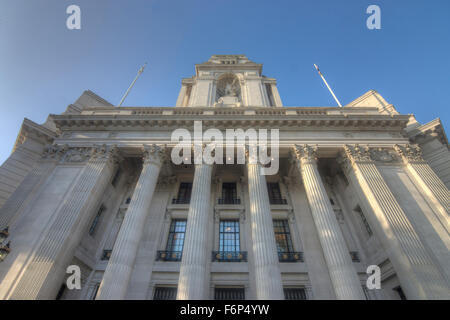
(228,92)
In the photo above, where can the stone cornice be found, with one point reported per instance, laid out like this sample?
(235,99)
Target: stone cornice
(34,130)
(430,130)
(299,118)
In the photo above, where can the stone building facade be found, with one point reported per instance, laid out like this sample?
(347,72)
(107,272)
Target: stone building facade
(95,187)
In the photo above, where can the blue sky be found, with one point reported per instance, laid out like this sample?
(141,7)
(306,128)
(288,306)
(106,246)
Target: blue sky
(44,66)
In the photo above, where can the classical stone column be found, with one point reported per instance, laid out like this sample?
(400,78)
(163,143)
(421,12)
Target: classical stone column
(418,276)
(265,255)
(32,181)
(118,272)
(434,190)
(343,274)
(192,283)
(42,275)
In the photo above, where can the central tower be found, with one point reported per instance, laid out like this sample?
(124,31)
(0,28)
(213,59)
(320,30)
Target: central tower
(229,81)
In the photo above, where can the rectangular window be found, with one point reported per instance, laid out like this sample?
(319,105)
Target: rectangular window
(96,221)
(176,236)
(184,193)
(355,256)
(229,294)
(275,193)
(229,236)
(165,293)
(294,294)
(364,220)
(229,194)
(283,236)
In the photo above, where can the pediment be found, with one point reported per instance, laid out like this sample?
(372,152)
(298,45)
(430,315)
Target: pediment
(373,99)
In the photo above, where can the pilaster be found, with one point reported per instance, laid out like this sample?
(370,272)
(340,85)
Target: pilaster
(42,275)
(419,277)
(32,181)
(434,190)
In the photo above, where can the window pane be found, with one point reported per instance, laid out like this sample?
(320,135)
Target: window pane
(165,293)
(175,240)
(283,236)
(229,294)
(229,236)
(229,191)
(274,190)
(294,293)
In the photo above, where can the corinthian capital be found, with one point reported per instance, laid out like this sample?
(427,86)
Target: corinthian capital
(305,152)
(357,153)
(410,152)
(108,153)
(154,153)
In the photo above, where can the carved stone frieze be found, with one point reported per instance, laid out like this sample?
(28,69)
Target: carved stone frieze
(383,155)
(52,151)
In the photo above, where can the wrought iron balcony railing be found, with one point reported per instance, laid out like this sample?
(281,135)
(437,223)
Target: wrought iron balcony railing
(229,256)
(277,201)
(355,256)
(169,255)
(290,256)
(106,254)
(181,201)
(229,201)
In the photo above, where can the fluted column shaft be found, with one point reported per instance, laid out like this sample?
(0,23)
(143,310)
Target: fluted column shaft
(435,191)
(192,283)
(419,277)
(265,255)
(118,272)
(343,274)
(42,276)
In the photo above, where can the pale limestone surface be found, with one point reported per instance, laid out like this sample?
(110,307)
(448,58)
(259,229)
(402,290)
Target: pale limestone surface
(372,168)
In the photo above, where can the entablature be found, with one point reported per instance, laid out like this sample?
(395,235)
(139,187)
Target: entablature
(222,118)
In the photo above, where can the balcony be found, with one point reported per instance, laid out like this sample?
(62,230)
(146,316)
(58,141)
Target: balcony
(277,201)
(229,201)
(169,255)
(290,256)
(181,201)
(229,256)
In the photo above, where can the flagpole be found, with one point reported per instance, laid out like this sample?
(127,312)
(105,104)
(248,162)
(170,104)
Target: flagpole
(132,84)
(326,83)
